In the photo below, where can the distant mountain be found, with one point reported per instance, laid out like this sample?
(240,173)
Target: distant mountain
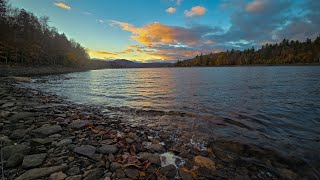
(124,63)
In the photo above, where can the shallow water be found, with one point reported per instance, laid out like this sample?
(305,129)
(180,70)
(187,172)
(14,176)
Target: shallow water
(276,107)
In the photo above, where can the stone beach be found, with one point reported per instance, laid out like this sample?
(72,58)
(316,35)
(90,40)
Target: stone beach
(44,136)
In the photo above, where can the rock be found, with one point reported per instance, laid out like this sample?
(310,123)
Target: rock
(73,171)
(205,162)
(57,176)
(41,172)
(132,173)
(157,148)
(14,161)
(55,136)
(61,115)
(85,150)
(21,115)
(8,104)
(18,133)
(8,151)
(115,165)
(95,174)
(119,173)
(287,174)
(78,177)
(22,79)
(4,114)
(47,130)
(78,124)
(6,141)
(39,141)
(185,174)
(64,142)
(108,149)
(154,158)
(34,160)
(107,178)
(169,171)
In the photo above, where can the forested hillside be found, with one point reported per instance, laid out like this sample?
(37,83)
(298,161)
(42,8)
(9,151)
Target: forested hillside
(29,40)
(286,52)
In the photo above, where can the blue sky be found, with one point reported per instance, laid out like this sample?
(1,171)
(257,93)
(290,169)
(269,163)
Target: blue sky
(176,29)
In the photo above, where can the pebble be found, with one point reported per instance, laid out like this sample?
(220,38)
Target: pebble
(108,149)
(34,160)
(85,150)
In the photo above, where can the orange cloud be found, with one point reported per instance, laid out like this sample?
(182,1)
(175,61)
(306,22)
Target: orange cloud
(171,10)
(62,5)
(101,54)
(195,11)
(157,34)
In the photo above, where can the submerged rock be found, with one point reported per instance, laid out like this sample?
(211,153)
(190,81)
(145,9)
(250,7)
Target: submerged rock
(204,162)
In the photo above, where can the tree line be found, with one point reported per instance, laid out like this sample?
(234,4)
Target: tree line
(286,52)
(29,40)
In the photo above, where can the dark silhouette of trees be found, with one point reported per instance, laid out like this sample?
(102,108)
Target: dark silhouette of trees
(286,52)
(29,40)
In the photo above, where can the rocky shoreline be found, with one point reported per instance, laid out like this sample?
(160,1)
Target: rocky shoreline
(45,137)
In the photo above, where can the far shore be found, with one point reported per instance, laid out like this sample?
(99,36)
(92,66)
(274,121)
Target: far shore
(31,71)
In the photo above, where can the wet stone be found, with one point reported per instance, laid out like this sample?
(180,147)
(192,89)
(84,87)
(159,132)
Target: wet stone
(18,133)
(132,173)
(169,171)
(78,124)
(157,148)
(77,177)
(21,115)
(108,149)
(57,176)
(73,171)
(205,162)
(85,150)
(115,165)
(47,130)
(34,160)
(14,160)
(185,174)
(94,174)
(8,151)
(40,172)
(119,173)
(64,142)
(40,141)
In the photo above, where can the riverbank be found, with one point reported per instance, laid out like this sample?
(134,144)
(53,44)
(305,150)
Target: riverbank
(45,136)
(29,71)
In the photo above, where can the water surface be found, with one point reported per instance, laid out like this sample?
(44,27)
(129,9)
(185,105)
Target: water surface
(276,107)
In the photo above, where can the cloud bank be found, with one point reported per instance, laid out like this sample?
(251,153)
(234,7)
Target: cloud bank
(62,5)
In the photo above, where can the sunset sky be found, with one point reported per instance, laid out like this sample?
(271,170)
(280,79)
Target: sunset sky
(153,30)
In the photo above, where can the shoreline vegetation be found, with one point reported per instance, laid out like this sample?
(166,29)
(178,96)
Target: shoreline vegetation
(44,136)
(285,53)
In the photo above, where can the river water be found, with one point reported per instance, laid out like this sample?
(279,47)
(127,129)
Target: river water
(273,106)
